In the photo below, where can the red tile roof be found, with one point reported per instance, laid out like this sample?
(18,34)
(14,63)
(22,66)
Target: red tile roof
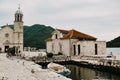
(49,39)
(74,34)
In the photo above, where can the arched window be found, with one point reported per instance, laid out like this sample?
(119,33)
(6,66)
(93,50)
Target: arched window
(18,18)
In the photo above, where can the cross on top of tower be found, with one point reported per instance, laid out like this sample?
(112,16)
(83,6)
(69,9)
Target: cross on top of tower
(18,11)
(19,6)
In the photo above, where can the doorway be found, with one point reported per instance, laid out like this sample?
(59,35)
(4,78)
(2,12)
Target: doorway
(74,47)
(6,48)
(96,51)
(78,49)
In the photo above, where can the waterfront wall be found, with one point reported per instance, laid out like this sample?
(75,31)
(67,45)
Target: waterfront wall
(106,67)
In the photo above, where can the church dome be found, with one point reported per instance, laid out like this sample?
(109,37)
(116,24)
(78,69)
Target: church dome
(18,12)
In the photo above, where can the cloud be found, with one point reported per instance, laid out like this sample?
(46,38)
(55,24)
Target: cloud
(100,18)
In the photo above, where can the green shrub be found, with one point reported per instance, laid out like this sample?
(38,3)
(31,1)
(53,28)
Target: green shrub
(49,55)
(59,53)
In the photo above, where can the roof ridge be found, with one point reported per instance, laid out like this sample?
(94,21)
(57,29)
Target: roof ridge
(75,34)
(62,30)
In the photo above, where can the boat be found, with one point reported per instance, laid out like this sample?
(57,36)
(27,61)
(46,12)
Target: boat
(60,69)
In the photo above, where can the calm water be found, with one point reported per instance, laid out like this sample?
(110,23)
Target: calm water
(115,51)
(80,73)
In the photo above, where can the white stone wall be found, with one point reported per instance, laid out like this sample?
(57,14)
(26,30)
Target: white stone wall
(66,47)
(101,47)
(13,37)
(18,35)
(49,46)
(56,44)
(88,47)
(18,26)
(59,35)
(3,39)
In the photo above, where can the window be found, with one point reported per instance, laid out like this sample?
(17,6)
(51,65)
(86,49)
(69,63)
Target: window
(96,49)
(74,47)
(18,17)
(6,35)
(56,36)
(78,49)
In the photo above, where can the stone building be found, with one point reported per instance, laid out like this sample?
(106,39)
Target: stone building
(73,43)
(10,37)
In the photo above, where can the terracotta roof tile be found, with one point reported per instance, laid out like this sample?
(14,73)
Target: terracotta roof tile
(49,39)
(74,34)
(77,34)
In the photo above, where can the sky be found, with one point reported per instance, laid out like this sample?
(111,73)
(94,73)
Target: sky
(98,18)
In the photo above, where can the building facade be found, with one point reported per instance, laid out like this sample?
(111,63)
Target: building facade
(73,43)
(12,37)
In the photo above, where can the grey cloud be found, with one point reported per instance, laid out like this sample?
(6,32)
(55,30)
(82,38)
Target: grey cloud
(96,17)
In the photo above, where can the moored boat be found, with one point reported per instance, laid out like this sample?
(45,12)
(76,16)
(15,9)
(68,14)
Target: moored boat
(60,69)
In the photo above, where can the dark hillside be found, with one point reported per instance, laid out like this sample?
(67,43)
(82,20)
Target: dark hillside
(114,43)
(35,35)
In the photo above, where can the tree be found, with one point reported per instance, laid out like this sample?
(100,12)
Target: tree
(49,55)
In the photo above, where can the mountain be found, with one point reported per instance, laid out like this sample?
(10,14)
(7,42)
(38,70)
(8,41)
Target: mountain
(114,43)
(35,35)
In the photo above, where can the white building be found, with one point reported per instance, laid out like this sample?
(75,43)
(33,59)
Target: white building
(12,37)
(72,43)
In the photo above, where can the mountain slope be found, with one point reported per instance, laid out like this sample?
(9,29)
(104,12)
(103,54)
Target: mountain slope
(114,43)
(35,35)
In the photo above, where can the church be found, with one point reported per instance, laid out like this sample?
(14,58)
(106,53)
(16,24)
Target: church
(12,37)
(74,43)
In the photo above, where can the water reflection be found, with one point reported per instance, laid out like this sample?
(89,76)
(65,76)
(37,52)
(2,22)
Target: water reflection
(80,73)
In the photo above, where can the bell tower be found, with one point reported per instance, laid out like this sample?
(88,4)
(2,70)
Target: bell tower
(18,30)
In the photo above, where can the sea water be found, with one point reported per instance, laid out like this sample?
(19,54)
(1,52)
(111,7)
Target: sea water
(114,51)
(81,73)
